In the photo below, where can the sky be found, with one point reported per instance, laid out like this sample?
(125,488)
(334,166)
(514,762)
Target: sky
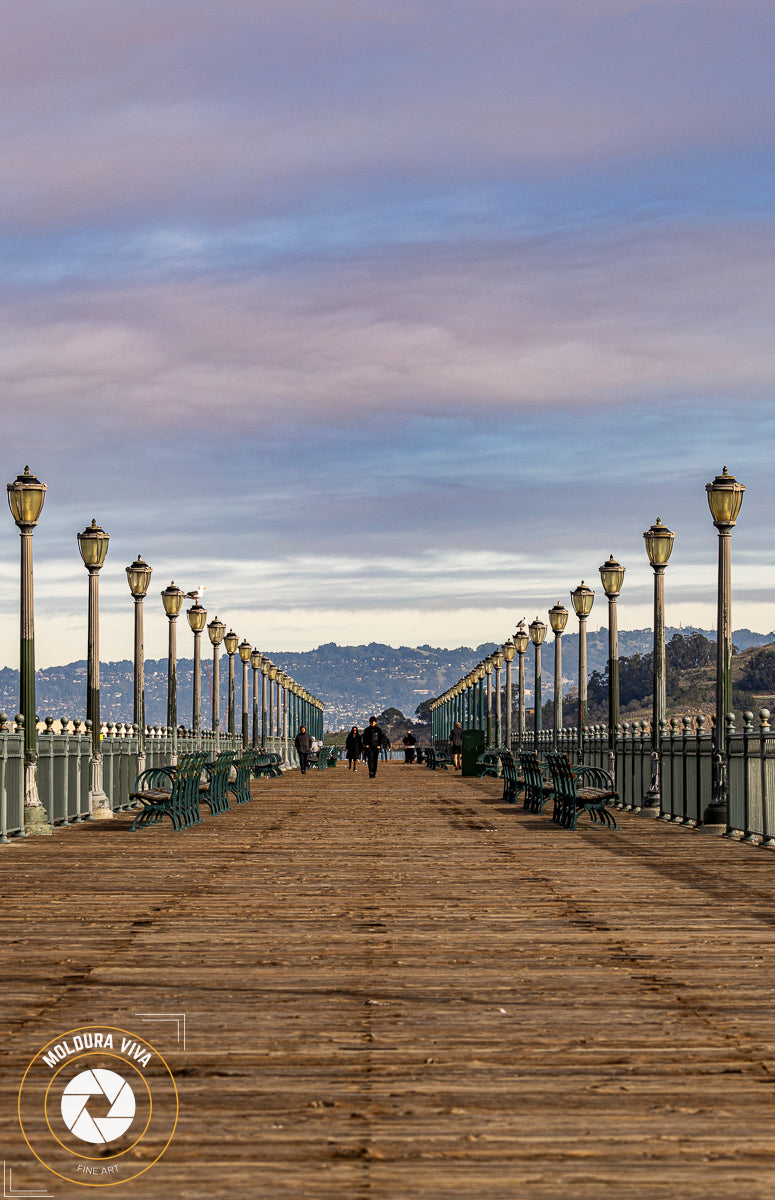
(385,321)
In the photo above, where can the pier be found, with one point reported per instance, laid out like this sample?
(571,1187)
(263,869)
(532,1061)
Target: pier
(403,989)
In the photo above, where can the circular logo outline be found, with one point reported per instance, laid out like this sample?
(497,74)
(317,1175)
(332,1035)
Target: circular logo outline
(108,1182)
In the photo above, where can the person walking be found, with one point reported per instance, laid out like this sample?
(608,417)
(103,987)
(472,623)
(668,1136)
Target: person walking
(353,748)
(373,738)
(456,746)
(410,741)
(385,748)
(303,744)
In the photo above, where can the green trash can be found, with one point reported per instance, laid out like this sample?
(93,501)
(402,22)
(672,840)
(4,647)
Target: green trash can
(473,746)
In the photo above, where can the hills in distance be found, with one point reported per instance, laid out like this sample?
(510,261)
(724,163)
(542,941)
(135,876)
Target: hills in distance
(352,681)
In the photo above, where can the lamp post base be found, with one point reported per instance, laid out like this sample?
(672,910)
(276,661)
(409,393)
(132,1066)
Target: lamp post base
(99,807)
(714,820)
(36,820)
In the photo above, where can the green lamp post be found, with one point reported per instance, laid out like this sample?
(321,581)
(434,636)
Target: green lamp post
(139,577)
(497,663)
(230,643)
(521,641)
(172,599)
(582,598)
(93,545)
(537,630)
(558,619)
(256,658)
(659,546)
(197,618)
(725,496)
(245,651)
(612,577)
(25,500)
(508,650)
(216,631)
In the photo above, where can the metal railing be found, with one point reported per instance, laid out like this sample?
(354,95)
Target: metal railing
(686,766)
(63,766)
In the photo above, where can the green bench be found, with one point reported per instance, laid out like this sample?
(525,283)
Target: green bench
(170,792)
(214,788)
(489,763)
(537,789)
(435,759)
(573,794)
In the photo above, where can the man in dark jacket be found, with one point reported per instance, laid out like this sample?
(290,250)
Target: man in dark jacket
(373,737)
(303,744)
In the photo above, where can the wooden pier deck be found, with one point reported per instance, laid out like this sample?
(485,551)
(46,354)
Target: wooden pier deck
(402,990)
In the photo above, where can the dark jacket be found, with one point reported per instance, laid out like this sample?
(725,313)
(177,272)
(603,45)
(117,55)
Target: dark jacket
(303,742)
(354,745)
(373,737)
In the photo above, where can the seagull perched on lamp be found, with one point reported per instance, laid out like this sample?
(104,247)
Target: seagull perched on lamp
(197,594)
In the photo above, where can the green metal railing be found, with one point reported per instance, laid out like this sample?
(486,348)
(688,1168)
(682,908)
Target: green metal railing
(63,766)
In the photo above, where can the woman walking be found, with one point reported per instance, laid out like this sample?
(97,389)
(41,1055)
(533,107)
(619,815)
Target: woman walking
(353,748)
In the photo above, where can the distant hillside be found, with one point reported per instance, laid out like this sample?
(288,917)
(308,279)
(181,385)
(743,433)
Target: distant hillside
(353,681)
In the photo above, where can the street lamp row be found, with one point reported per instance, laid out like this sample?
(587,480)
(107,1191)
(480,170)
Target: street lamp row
(26,496)
(725,496)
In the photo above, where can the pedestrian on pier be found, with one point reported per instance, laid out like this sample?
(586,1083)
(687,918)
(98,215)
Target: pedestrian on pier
(303,744)
(373,737)
(353,747)
(410,741)
(456,745)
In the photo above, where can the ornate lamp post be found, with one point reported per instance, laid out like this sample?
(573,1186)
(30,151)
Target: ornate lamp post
(659,546)
(537,630)
(558,619)
(245,651)
(271,675)
(487,664)
(612,576)
(197,616)
(25,500)
(93,545)
(521,639)
(497,662)
(230,642)
(725,496)
(216,629)
(583,598)
(256,658)
(264,675)
(139,577)
(172,599)
(508,651)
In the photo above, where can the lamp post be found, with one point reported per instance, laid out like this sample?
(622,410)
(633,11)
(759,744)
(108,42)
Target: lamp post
(25,500)
(583,598)
(497,662)
(172,599)
(197,616)
(230,642)
(612,576)
(271,676)
(216,629)
(725,496)
(558,619)
(508,651)
(264,675)
(537,630)
(487,664)
(256,658)
(139,577)
(659,546)
(521,639)
(245,651)
(93,545)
